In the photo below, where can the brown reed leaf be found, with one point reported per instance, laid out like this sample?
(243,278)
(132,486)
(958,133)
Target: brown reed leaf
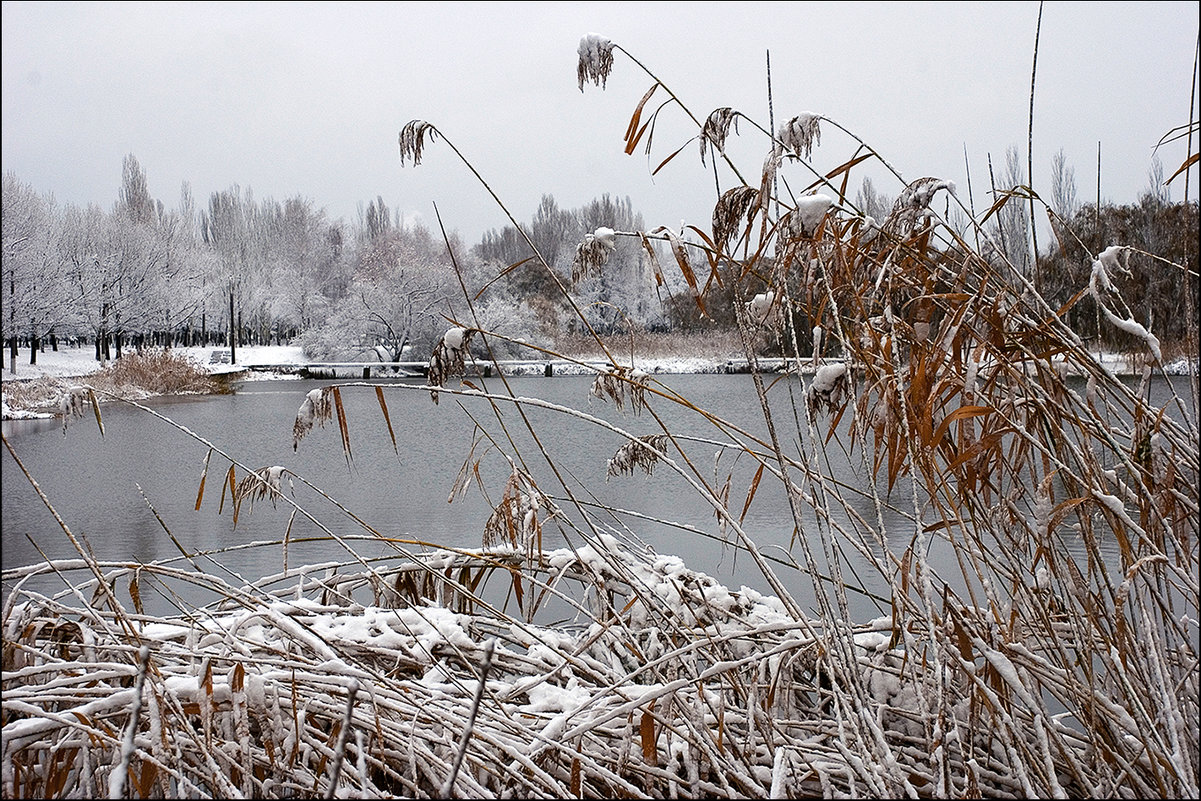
(665,161)
(383,407)
(750,493)
(231,485)
(634,131)
(203,474)
(135,593)
(342,431)
(646,732)
(681,254)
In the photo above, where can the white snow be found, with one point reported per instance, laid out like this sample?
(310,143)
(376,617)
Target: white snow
(760,306)
(827,376)
(1099,283)
(811,209)
(453,339)
(606,236)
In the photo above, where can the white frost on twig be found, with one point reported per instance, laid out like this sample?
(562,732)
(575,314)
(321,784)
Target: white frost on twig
(1099,283)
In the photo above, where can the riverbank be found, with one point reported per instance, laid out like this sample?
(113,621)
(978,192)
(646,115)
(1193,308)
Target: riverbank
(43,383)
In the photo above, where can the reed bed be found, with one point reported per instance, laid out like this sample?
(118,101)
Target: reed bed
(1059,660)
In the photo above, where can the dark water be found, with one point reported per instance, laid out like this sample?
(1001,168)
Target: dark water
(103,487)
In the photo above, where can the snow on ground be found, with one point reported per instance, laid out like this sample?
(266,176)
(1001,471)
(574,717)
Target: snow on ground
(69,362)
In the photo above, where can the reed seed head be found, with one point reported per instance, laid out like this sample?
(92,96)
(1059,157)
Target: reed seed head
(449,357)
(637,453)
(716,129)
(592,253)
(412,140)
(596,60)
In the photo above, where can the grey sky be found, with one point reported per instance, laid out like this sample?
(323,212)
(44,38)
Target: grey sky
(307,99)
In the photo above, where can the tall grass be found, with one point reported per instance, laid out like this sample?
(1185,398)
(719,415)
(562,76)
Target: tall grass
(1042,666)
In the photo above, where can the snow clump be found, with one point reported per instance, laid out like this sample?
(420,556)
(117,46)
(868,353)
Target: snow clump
(596,60)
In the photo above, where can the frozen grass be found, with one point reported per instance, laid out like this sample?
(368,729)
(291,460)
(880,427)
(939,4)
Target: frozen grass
(137,375)
(1060,658)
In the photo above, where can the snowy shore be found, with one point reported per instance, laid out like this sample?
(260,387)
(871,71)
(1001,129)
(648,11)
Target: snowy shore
(77,363)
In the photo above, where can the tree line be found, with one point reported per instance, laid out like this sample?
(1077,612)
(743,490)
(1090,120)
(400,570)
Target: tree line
(240,271)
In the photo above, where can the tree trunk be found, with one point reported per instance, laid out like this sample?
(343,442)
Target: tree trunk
(233,331)
(34,343)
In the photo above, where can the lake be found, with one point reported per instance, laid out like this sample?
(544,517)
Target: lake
(103,487)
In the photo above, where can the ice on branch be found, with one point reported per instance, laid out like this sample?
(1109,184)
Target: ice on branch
(593,253)
(800,134)
(449,357)
(412,140)
(596,60)
(316,407)
(639,452)
(717,129)
(830,385)
(1099,285)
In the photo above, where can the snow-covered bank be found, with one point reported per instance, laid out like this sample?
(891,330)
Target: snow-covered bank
(74,362)
(77,363)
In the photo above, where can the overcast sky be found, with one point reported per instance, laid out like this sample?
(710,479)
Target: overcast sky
(307,99)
